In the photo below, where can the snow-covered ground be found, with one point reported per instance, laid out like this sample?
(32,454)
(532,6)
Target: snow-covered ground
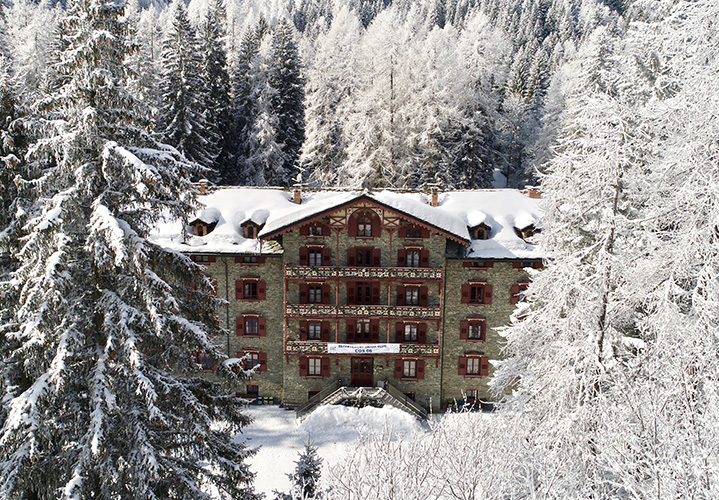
(332,429)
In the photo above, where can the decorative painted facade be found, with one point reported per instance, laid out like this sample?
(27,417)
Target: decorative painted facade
(366,289)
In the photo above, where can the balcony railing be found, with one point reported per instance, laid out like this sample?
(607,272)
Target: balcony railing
(309,347)
(365,273)
(390,312)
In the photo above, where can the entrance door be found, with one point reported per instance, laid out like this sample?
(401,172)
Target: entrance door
(362,373)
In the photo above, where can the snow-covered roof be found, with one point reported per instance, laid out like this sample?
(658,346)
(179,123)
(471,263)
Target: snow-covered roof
(501,210)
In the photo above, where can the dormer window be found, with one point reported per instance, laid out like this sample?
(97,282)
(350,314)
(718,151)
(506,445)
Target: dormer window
(202,228)
(364,227)
(480,232)
(250,229)
(527,232)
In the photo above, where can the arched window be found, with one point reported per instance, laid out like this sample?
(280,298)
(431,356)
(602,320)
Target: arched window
(364,227)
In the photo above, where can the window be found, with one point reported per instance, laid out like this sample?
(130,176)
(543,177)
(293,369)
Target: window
(363,292)
(517,290)
(252,325)
(252,389)
(473,366)
(364,227)
(471,397)
(410,395)
(314,367)
(315,231)
(409,369)
(250,231)
(206,361)
(252,360)
(364,257)
(414,232)
(250,291)
(477,293)
(475,331)
(250,259)
(314,294)
(315,257)
(314,330)
(413,258)
(411,296)
(410,332)
(200,230)
(481,232)
(364,330)
(203,258)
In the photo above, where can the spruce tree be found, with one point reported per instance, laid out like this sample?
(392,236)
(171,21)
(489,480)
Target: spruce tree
(306,477)
(182,122)
(216,82)
(287,98)
(100,397)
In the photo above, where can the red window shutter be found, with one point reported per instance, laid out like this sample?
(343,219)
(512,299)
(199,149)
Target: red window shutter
(325,363)
(261,290)
(514,299)
(487,294)
(304,293)
(488,264)
(305,230)
(483,331)
(351,329)
(483,366)
(239,289)
(325,331)
(402,258)
(402,233)
(261,326)
(467,263)
(304,256)
(351,256)
(374,329)
(400,295)
(517,265)
(211,258)
(464,330)
(538,265)
(261,260)
(423,296)
(240,326)
(304,366)
(424,232)
(376,257)
(376,293)
(352,227)
(326,257)
(422,333)
(420,369)
(375,227)
(424,258)
(303,330)
(239,260)
(462,365)
(262,358)
(398,368)
(351,292)
(326,293)
(399,332)
(465,294)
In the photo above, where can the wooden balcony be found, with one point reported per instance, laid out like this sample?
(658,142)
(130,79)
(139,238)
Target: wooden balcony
(310,347)
(362,311)
(364,273)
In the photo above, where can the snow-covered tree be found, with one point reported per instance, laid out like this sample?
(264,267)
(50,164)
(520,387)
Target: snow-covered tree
(306,477)
(183,123)
(100,397)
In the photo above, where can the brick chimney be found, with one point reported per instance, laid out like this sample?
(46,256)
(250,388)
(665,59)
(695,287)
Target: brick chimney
(297,194)
(434,193)
(534,192)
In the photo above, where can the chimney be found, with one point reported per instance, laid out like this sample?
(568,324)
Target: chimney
(434,192)
(534,192)
(297,195)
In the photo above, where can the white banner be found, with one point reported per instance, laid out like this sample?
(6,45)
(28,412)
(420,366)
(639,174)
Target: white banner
(363,348)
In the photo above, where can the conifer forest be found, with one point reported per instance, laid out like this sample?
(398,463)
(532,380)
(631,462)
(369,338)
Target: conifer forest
(111,109)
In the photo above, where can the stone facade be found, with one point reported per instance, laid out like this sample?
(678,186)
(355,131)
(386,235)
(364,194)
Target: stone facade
(337,281)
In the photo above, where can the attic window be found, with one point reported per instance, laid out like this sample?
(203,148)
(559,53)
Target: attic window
(202,228)
(480,232)
(364,227)
(315,231)
(250,231)
(527,232)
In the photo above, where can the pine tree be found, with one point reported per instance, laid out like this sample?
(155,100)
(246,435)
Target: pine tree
(182,121)
(306,477)
(287,100)
(100,398)
(216,80)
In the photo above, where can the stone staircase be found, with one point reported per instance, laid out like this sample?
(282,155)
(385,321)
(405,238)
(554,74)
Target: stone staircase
(335,394)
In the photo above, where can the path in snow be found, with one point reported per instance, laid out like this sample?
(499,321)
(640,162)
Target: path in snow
(333,429)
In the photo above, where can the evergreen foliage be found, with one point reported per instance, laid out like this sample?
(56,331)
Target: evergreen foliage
(99,394)
(306,477)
